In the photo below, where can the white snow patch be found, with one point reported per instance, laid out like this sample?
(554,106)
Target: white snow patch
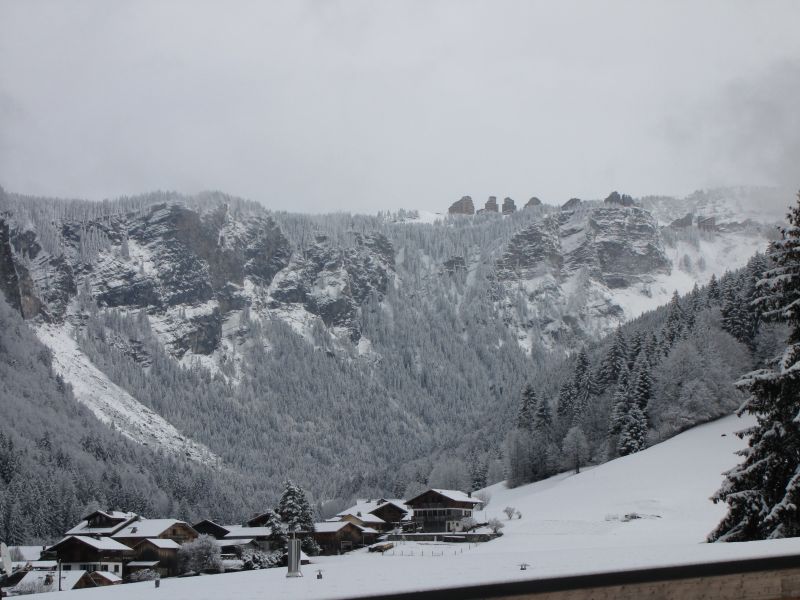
(111,404)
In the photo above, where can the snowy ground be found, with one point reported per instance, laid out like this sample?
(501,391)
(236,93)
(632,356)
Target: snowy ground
(571,524)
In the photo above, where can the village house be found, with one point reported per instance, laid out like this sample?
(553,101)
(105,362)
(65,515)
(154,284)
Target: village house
(380,514)
(103,523)
(158,554)
(258,536)
(84,553)
(335,537)
(441,511)
(167,529)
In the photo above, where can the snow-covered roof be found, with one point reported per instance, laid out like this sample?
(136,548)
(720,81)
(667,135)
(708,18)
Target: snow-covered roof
(147,528)
(240,531)
(234,542)
(457,496)
(366,507)
(107,575)
(121,518)
(334,526)
(47,581)
(28,552)
(364,517)
(163,544)
(103,543)
(143,563)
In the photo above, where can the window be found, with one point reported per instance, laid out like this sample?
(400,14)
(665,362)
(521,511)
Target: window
(66,567)
(116,568)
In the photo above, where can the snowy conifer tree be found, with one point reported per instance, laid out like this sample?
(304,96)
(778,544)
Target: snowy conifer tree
(633,430)
(763,492)
(615,360)
(527,408)
(543,419)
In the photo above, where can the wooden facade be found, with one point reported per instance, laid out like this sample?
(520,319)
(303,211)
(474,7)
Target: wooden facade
(209,527)
(76,553)
(391,513)
(436,511)
(343,536)
(166,556)
(178,531)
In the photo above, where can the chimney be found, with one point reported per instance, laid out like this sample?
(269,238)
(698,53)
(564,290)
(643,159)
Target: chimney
(469,494)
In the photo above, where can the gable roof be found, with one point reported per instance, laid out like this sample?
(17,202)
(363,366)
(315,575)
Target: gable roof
(334,526)
(367,507)
(454,495)
(219,530)
(120,520)
(240,531)
(160,543)
(147,528)
(28,552)
(108,575)
(102,543)
(364,517)
(47,581)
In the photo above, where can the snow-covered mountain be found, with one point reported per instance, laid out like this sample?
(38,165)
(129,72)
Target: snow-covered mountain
(422,309)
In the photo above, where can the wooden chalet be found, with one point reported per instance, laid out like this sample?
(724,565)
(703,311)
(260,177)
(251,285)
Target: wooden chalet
(380,514)
(102,523)
(441,511)
(335,537)
(209,527)
(260,536)
(83,553)
(158,554)
(165,529)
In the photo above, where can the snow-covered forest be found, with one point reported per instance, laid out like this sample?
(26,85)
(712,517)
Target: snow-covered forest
(357,355)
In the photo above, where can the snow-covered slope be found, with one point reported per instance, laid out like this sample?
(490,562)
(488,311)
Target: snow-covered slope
(113,405)
(571,524)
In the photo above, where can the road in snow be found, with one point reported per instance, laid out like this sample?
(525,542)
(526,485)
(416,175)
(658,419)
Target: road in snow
(571,524)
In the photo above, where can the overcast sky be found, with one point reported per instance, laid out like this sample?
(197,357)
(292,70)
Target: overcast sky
(365,106)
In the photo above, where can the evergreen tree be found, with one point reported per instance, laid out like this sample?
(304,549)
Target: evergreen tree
(674,325)
(633,430)
(294,509)
(620,405)
(543,419)
(713,292)
(763,492)
(526,409)
(615,360)
(565,411)
(641,384)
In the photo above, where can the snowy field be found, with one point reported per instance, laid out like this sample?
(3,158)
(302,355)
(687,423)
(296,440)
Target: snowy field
(571,524)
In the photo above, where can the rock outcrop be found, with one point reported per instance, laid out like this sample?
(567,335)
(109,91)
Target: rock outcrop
(534,201)
(509,206)
(462,207)
(571,204)
(683,222)
(491,204)
(620,199)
